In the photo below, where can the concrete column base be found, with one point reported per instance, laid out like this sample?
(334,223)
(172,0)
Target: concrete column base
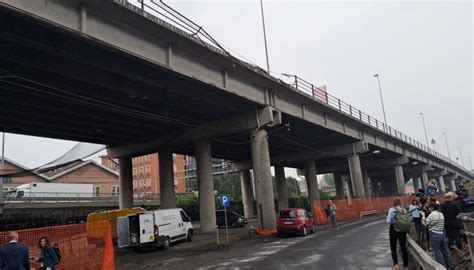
(400,178)
(356,176)
(312,183)
(247,193)
(282,189)
(207,207)
(166,171)
(263,180)
(125,183)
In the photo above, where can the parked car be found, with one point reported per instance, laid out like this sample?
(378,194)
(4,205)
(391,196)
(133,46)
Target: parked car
(155,228)
(294,220)
(234,220)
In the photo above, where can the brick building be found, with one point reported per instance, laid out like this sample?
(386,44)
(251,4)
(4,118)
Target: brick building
(146,176)
(105,180)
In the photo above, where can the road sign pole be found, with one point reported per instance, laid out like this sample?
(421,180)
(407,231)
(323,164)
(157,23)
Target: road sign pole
(226,225)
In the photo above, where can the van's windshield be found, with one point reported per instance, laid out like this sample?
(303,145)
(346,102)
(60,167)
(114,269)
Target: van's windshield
(288,214)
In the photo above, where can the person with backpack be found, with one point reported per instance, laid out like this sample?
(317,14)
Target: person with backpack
(49,257)
(400,222)
(439,242)
(332,214)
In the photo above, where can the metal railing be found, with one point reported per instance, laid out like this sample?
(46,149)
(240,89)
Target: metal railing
(163,14)
(72,197)
(420,258)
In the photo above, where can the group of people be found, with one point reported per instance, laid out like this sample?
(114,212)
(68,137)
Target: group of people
(438,222)
(15,256)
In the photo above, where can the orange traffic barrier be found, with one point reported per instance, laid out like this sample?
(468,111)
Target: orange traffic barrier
(82,246)
(351,209)
(264,232)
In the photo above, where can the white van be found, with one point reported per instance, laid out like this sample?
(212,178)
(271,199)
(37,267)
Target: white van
(154,228)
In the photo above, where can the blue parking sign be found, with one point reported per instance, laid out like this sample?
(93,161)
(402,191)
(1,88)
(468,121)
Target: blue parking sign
(225,200)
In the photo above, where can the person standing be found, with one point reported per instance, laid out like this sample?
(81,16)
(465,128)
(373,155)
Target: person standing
(395,236)
(332,213)
(414,211)
(452,225)
(48,259)
(435,224)
(15,255)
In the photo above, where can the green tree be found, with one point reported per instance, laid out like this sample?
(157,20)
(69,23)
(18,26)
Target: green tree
(329,179)
(228,184)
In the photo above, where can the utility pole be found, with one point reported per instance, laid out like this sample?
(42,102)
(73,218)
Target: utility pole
(265,37)
(381,100)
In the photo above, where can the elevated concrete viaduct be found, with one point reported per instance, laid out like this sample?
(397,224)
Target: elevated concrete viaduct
(110,73)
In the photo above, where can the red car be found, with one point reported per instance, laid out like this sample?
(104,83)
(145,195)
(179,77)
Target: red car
(294,220)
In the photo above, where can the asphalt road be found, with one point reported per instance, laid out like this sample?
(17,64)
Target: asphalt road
(358,245)
(354,246)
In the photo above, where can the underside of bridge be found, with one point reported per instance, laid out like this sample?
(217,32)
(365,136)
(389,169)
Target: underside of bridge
(61,83)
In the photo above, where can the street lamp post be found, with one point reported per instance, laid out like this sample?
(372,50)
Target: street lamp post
(460,156)
(381,100)
(265,37)
(424,127)
(447,145)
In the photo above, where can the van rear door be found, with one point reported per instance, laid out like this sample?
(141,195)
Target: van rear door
(146,228)
(123,232)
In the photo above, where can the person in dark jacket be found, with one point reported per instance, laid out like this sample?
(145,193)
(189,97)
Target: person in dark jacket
(48,259)
(15,255)
(452,225)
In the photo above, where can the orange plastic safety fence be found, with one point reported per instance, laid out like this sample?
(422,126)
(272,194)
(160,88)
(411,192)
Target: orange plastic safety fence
(265,232)
(82,246)
(351,209)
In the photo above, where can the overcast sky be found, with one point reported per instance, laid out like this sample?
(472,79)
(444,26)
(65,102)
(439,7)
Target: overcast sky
(423,52)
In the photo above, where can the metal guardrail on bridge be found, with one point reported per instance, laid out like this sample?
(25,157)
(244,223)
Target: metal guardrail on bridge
(72,197)
(421,259)
(165,15)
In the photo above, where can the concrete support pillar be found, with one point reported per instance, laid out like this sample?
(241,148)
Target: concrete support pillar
(400,178)
(453,185)
(415,185)
(282,189)
(365,179)
(166,171)
(424,180)
(247,193)
(339,186)
(420,185)
(263,179)
(312,183)
(442,185)
(356,176)
(125,183)
(207,207)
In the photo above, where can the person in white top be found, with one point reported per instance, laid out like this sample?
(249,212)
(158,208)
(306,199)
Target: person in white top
(435,224)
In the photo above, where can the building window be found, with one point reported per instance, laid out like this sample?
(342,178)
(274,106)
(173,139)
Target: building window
(96,191)
(135,185)
(115,190)
(147,169)
(140,171)
(134,172)
(148,183)
(141,183)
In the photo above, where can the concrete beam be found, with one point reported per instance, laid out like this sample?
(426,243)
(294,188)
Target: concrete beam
(263,117)
(388,162)
(324,152)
